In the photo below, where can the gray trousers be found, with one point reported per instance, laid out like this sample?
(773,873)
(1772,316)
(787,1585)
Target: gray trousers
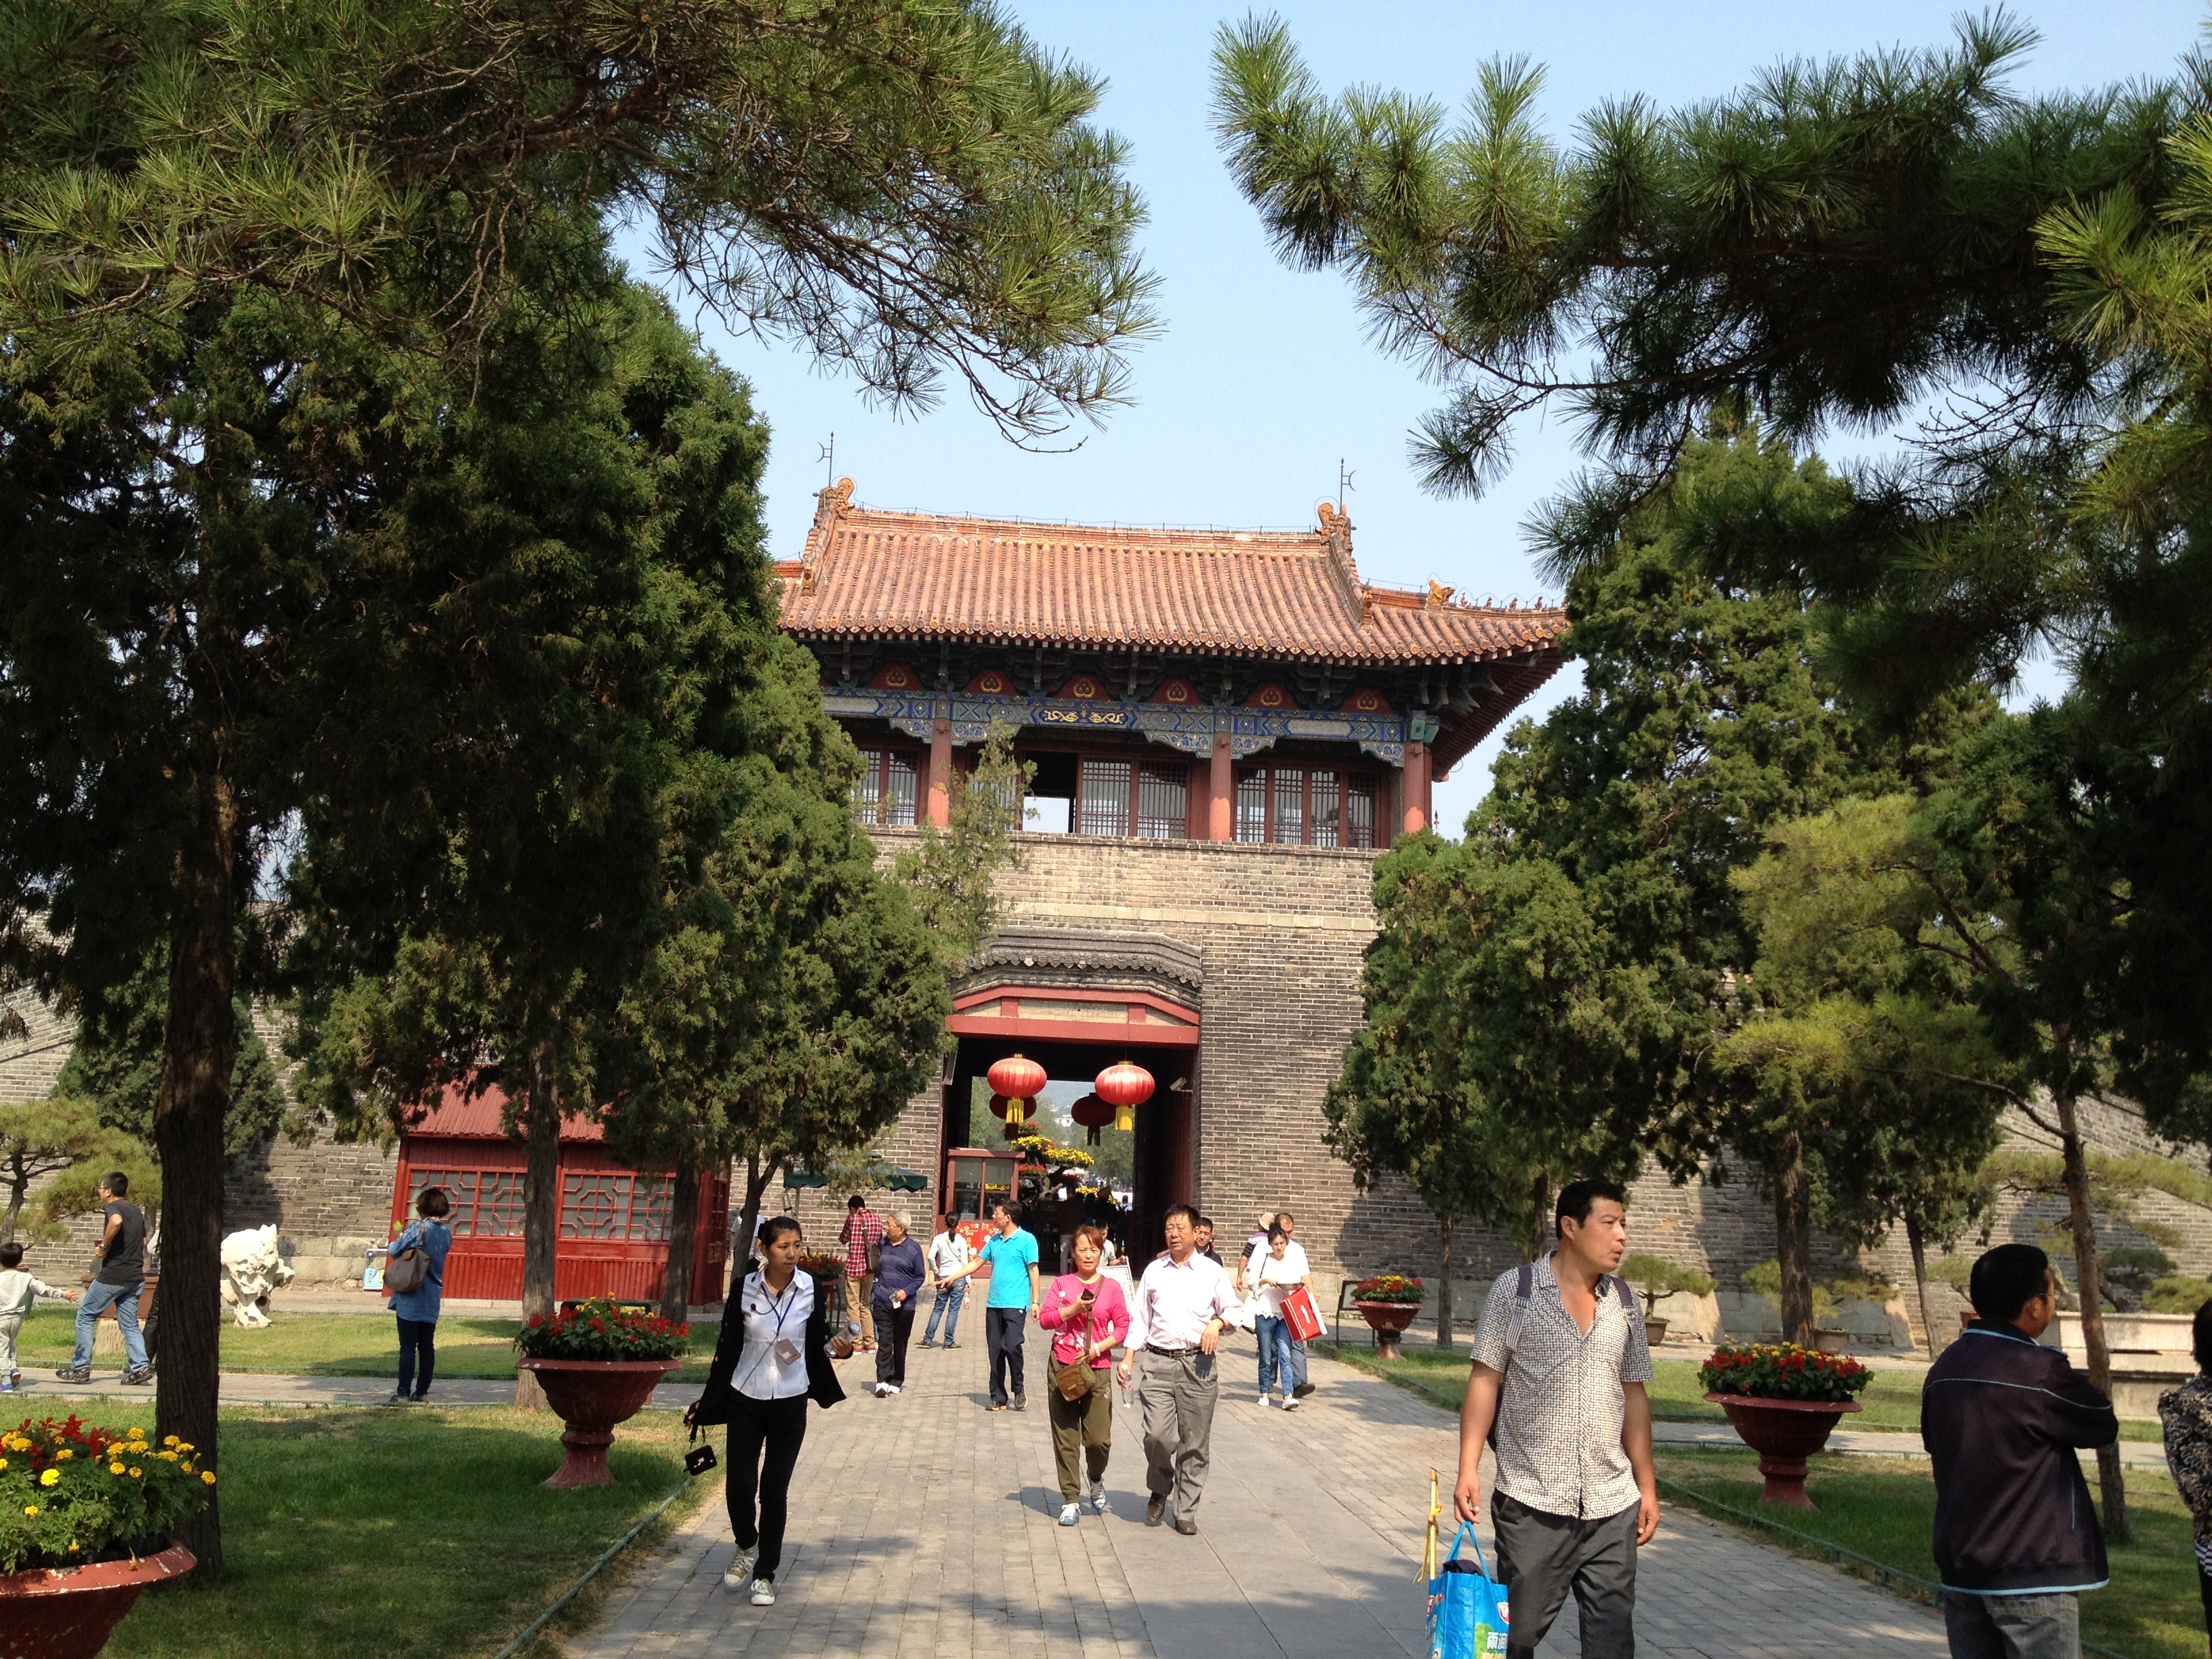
(2046,1627)
(1541,1557)
(1175,1395)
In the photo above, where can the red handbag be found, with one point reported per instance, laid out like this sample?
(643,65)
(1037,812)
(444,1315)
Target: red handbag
(1304,1318)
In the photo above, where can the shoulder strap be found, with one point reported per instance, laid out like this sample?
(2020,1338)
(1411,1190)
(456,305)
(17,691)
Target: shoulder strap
(1524,1287)
(1628,1294)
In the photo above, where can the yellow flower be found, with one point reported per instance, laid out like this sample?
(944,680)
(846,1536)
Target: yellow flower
(30,1509)
(4,1462)
(115,1468)
(208,1475)
(184,1445)
(134,1475)
(167,1457)
(168,1440)
(63,1455)
(50,1477)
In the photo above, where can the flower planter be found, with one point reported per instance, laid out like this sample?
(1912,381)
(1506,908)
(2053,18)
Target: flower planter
(1830,1340)
(1654,1332)
(68,1612)
(590,1396)
(1387,1319)
(1784,1433)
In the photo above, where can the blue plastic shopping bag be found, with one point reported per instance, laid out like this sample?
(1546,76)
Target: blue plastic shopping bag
(1468,1612)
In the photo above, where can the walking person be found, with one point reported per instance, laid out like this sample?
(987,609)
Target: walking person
(19,1289)
(1090,1316)
(1274,1276)
(772,1357)
(948,1253)
(118,1280)
(900,1271)
(417,1310)
(1560,1369)
(862,1236)
(1255,1246)
(1010,1256)
(1184,1302)
(2004,1418)
(1301,1271)
(2186,1414)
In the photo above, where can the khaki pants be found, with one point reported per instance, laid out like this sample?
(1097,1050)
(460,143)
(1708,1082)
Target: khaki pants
(859,1288)
(1080,1426)
(1175,1395)
(11,1325)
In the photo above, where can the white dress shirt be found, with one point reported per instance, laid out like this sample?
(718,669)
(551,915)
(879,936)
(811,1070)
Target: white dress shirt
(1175,1300)
(763,1376)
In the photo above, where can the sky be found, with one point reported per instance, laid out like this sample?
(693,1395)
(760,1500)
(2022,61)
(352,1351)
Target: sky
(1263,381)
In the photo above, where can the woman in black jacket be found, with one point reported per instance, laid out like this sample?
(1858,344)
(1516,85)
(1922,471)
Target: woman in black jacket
(772,1357)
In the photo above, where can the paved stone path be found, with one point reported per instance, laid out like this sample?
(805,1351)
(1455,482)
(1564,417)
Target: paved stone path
(924,1528)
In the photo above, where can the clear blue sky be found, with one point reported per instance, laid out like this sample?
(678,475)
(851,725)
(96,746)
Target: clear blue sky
(1263,378)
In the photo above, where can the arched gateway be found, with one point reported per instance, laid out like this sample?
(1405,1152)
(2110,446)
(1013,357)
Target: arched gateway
(1225,726)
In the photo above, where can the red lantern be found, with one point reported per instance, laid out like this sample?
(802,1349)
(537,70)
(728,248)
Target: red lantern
(998,1105)
(1125,1087)
(1093,1114)
(1019,1080)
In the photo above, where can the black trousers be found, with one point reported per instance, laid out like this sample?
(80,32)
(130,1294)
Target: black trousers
(1541,1557)
(418,1355)
(777,1428)
(1005,1330)
(893,1327)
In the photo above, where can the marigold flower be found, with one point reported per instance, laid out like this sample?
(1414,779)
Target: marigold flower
(50,1477)
(208,1475)
(30,1509)
(135,1473)
(115,1468)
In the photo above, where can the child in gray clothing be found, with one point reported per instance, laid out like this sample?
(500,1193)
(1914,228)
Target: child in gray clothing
(18,1290)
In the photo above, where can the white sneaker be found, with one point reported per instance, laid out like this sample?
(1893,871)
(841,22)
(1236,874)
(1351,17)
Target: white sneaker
(890,1387)
(741,1569)
(1289,1403)
(881,1390)
(763,1592)
(1070,1514)
(1098,1498)
(1263,1400)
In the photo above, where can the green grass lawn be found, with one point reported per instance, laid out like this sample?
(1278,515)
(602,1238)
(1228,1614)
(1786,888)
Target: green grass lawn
(1885,1508)
(404,1534)
(343,1345)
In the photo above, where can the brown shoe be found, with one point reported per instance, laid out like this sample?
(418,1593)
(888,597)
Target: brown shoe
(1185,1526)
(1155,1510)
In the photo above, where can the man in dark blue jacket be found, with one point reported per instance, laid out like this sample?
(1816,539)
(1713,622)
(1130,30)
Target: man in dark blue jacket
(2002,1417)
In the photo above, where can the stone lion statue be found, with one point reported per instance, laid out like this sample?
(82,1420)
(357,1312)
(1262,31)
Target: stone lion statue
(252,1269)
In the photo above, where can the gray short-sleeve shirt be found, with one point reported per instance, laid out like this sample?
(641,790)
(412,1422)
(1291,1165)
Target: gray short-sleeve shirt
(1561,1408)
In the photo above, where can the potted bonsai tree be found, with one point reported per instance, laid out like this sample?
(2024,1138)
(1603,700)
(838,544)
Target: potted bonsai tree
(598,1363)
(1782,1400)
(1388,1303)
(86,1519)
(1656,1276)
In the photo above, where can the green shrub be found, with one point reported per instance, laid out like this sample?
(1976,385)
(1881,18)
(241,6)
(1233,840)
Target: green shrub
(1656,1277)
(2177,1294)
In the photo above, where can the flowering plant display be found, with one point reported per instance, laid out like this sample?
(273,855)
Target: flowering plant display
(1043,1149)
(1390,1287)
(823,1264)
(602,1329)
(1782,1370)
(71,1493)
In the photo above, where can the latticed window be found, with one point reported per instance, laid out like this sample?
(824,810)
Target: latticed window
(487,1203)
(1102,798)
(884,792)
(1162,802)
(460,1189)
(611,1204)
(1313,807)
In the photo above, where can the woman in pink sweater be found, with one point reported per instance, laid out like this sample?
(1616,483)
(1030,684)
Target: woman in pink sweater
(1090,1314)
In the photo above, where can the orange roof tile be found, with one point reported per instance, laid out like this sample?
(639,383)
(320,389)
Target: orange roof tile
(1289,594)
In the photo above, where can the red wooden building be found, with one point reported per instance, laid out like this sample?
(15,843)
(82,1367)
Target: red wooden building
(614,1221)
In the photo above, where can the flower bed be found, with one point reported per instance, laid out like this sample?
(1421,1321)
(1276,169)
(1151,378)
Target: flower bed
(602,1329)
(71,1493)
(1783,1370)
(823,1264)
(1390,1287)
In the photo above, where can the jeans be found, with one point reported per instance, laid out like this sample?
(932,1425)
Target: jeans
(2046,1627)
(1274,1336)
(1542,1556)
(947,1306)
(1005,1330)
(418,1355)
(1296,1350)
(779,1427)
(893,1327)
(97,1297)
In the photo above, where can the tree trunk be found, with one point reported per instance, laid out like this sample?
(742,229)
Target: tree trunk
(1443,1285)
(683,1239)
(199,1049)
(1918,1242)
(1540,1227)
(541,1208)
(1793,1237)
(2089,1281)
(18,1188)
(757,1176)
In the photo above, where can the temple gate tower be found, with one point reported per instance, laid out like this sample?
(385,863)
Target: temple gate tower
(1226,727)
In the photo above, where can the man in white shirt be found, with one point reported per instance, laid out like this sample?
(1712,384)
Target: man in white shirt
(1183,1304)
(948,1254)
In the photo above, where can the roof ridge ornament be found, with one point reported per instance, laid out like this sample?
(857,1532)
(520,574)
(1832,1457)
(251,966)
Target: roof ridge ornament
(1336,537)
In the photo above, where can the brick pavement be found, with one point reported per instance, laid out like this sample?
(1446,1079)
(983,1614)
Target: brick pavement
(924,1528)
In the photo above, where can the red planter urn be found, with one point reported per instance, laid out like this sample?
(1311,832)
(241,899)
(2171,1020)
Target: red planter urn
(68,1612)
(1784,1433)
(1387,1319)
(590,1396)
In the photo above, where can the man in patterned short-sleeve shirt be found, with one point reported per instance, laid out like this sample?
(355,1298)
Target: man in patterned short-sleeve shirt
(1560,1367)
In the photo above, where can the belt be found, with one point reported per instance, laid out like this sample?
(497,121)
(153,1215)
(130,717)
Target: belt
(1171,1353)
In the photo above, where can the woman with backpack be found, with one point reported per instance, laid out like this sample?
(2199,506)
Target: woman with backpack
(772,1358)
(415,1276)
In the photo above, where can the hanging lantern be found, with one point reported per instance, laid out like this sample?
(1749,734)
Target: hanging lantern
(998,1106)
(1018,1080)
(1092,1113)
(1125,1087)
(1014,1115)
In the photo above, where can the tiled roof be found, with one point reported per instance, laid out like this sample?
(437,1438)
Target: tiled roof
(1288,594)
(463,1116)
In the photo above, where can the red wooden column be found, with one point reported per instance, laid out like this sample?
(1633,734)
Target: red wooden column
(1221,803)
(940,774)
(1416,787)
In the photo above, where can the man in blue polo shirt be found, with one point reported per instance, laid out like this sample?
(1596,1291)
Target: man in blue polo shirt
(1010,1256)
